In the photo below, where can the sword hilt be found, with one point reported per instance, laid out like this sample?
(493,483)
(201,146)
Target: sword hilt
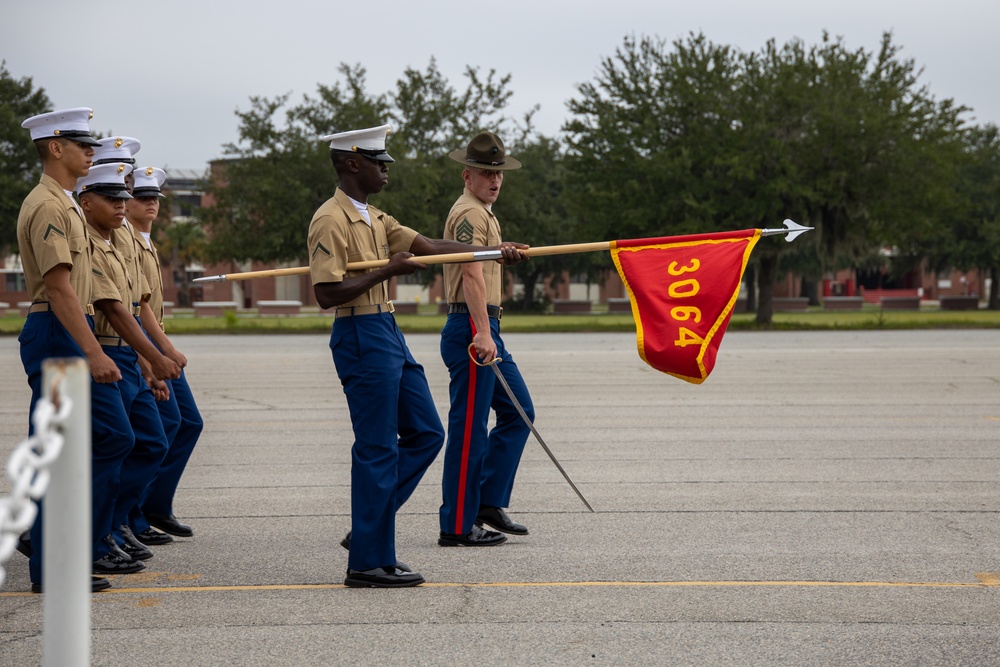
(475,357)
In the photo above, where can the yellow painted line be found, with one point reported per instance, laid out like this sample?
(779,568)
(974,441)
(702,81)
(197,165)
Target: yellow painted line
(986,580)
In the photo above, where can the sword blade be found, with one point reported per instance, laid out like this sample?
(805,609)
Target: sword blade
(520,411)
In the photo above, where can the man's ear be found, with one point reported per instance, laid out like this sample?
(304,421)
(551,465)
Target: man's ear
(55,149)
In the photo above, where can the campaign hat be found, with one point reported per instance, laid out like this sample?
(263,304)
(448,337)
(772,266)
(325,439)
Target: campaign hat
(106,179)
(64,124)
(116,149)
(485,151)
(148,182)
(369,142)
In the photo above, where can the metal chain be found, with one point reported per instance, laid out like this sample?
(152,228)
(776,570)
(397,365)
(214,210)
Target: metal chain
(28,471)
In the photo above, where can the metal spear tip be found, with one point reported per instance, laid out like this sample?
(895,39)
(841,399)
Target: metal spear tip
(211,279)
(792,230)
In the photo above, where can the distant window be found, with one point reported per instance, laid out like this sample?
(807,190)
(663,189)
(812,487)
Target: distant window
(14,282)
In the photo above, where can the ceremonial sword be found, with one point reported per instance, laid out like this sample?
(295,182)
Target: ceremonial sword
(524,416)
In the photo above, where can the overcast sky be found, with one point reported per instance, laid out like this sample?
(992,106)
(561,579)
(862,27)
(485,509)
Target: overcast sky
(173,73)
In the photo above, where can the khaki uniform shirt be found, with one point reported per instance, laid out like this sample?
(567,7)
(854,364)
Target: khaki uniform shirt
(149,262)
(111,280)
(339,235)
(471,222)
(51,231)
(124,241)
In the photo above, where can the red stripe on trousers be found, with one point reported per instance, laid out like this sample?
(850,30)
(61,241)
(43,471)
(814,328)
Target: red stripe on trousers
(470,409)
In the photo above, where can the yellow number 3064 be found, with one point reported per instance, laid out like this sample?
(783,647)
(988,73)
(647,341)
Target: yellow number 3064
(680,290)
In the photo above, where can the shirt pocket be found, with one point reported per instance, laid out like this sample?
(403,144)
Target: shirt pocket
(493,235)
(366,256)
(78,244)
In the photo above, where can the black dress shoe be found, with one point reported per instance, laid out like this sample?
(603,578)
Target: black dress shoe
(169,524)
(400,565)
(24,544)
(116,548)
(97,584)
(153,537)
(477,537)
(133,547)
(114,563)
(497,519)
(383,577)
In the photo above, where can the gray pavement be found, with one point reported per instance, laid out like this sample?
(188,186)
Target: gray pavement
(824,498)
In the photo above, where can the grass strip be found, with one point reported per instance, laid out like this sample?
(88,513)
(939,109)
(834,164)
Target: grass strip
(816,319)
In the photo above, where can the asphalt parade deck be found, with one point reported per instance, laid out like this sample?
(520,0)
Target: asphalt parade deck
(824,498)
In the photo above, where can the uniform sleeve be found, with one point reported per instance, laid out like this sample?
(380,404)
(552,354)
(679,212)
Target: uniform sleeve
(400,238)
(145,291)
(104,287)
(327,250)
(51,237)
(470,227)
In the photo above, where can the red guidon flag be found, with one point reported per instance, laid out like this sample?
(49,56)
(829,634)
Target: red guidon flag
(683,289)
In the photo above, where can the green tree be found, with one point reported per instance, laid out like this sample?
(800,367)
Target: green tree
(181,243)
(433,119)
(277,174)
(533,210)
(968,236)
(703,138)
(863,152)
(19,166)
(649,141)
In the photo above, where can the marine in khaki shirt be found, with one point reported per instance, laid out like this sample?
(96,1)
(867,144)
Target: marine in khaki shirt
(50,232)
(51,235)
(340,234)
(480,464)
(111,282)
(178,410)
(397,430)
(115,284)
(142,210)
(471,221)
(55,255)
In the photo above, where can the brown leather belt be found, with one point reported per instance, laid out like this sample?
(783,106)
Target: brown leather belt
(351,311)
(496,312)
(45,307)
(111,341)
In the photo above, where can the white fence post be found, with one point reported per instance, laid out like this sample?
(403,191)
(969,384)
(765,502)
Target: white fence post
(66,560)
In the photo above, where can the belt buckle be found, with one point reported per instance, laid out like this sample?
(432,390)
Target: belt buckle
(392,308)
(499,312)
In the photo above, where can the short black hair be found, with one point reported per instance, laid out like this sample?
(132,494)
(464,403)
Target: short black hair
(339,160)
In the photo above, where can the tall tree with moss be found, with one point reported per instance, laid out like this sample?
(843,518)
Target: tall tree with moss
(19,166)
(968,235)
(702,137)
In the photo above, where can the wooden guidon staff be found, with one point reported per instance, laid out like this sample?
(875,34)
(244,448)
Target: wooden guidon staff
(791,229)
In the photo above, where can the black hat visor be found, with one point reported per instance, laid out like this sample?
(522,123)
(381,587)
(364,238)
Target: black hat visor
(113,190)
